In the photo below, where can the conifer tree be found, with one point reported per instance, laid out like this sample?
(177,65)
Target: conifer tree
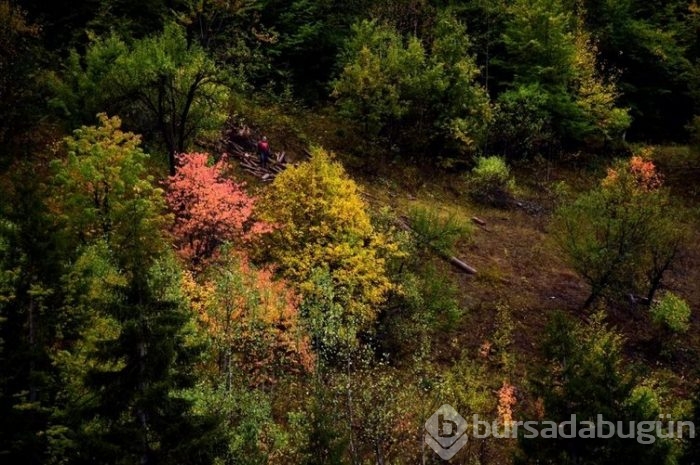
(132,406)
(584,374)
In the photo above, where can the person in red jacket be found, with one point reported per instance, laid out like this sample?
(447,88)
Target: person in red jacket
(263,151)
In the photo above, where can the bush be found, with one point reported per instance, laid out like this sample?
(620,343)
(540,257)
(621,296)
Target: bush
(522,126)
(622,235)
(490,181)
(440,232)
(326,243)
(671,312)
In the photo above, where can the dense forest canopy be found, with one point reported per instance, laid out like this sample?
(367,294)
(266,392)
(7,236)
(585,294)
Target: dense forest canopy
(287,231)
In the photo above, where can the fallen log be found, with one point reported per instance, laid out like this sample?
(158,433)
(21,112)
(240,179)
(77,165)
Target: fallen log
(478,221)
(403,223)
(461,265)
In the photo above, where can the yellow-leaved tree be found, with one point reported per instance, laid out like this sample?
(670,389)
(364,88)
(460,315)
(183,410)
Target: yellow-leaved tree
(324,241)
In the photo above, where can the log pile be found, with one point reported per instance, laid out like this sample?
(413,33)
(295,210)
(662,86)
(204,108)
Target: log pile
(250,162)
(240,143)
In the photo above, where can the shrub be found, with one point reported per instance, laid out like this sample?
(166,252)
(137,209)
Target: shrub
(324,236)
(440,232)
(522,124)
(671,312)
(490,181)
(621,235)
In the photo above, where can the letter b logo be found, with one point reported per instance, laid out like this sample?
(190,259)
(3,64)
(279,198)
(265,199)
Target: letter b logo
(446,428)
(445,432)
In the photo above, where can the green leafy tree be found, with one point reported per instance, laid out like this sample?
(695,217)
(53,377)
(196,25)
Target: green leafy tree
(162,84)
(369,86)
(391,82)
(584,373)
(622,235)
(105,192)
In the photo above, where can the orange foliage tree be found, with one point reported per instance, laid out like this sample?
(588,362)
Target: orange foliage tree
(209,208)
(252,321)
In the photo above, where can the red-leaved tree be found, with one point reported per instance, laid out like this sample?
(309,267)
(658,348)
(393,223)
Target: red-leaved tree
(209,208)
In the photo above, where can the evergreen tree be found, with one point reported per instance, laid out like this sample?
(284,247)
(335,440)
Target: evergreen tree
(654,45)
(31,256)
(584,374)
(556,79)
(130,405)
(139,412)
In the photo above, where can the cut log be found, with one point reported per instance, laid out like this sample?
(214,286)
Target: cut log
(403,223)
(236,147)
(240,143)
(461,265)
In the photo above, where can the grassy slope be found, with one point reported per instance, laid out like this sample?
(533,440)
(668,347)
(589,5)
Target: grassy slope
(518,264)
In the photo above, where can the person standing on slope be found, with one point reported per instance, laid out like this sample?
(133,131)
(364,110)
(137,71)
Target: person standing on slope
(264,151)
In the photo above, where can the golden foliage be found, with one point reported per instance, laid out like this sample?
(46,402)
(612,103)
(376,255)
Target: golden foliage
(323,222)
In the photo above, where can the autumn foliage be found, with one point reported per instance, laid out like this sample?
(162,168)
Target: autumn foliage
(637,174)
(623,236)
(506,401)
(209,208)
(325,230)
(251,319)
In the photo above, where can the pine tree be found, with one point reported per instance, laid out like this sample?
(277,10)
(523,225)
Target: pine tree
(31,255)
(584,374)
(132,404)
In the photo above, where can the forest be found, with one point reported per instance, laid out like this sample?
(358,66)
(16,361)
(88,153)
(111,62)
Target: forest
(272,232)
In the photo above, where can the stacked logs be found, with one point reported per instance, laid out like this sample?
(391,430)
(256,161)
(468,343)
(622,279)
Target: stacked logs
(240,143)
(250,162)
